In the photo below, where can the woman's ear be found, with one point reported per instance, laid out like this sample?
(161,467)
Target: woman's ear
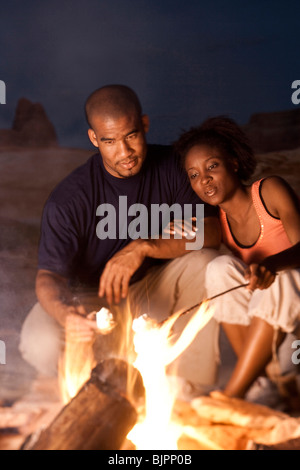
(235,165)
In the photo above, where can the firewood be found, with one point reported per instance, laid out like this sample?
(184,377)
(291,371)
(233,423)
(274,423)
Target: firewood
(237,412)
(99,417)
(291,444)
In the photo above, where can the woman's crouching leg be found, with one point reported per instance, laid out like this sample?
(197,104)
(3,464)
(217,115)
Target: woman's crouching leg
(223,273)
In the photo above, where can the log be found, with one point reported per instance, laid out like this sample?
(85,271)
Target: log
(237,412)
(291,444)
(99,417)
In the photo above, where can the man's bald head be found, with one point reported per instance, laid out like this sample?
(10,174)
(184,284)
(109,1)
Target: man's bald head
(112,101)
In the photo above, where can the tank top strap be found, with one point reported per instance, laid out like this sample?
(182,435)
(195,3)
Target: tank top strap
(257,201)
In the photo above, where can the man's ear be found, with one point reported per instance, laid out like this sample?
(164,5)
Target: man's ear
(146,123)
(92,137)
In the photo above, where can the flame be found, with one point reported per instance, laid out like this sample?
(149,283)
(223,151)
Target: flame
(75,365)
(155,350)
(75,368)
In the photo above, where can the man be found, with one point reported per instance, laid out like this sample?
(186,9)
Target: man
(86,246)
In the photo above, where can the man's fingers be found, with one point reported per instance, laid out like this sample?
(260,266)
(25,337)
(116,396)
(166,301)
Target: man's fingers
(117,287)
(80,338)
(114,282)
(125,286)
(80,329)
(81,310)
(106,284)
(184,228)
(102,282)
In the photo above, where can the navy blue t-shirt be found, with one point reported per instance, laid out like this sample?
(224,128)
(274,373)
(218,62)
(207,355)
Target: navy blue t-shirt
(73,242)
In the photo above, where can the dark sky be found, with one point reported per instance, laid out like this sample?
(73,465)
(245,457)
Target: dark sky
(186,59)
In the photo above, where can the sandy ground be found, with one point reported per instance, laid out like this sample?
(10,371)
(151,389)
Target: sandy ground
(26,179)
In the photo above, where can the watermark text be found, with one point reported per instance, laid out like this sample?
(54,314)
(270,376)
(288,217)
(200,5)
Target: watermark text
(2,92)
(296,94)
(139,221)
(296,354)
(2,352)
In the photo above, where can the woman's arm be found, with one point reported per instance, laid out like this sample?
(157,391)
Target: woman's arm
(281,202)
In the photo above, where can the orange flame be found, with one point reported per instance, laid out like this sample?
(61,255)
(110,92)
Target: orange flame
(155,351)
(75,367)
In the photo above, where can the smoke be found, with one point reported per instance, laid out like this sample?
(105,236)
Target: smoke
(26,179)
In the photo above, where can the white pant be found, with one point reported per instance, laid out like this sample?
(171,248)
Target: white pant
(176,285)
(279,305)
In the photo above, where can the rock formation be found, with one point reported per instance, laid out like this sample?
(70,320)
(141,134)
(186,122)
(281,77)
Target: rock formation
(270,132)
(31,127)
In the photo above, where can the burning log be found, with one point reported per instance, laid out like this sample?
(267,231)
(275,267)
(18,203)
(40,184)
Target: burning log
(99,417)
(237,412)
(291,444)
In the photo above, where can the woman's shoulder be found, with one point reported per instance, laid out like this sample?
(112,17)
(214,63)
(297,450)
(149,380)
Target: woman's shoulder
(276,192)
(274,183)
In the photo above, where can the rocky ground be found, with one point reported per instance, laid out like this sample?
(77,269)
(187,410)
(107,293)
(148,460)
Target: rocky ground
(26,179)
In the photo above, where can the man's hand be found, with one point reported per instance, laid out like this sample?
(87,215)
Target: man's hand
(182,228)
(114,281)
(259,276)
(78,327)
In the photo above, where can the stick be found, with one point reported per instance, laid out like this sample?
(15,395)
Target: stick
(214,297)
(210,298)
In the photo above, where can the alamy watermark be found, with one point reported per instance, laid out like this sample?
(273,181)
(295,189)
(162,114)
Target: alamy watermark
(2,92)
(2,352)
(136,221)
(296,94)
(296,354)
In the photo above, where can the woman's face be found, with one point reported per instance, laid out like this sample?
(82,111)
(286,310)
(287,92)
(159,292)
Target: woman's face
(212,175)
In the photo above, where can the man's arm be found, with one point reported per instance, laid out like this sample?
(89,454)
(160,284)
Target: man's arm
(115,279)
(57,300)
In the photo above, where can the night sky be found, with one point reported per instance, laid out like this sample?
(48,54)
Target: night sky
(187,60)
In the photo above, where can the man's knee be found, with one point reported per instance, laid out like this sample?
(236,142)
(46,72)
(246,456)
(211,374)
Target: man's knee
(197,261)
(204,256)
(41,341)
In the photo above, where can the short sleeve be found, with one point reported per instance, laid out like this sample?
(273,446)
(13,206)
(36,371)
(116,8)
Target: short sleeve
(59,241)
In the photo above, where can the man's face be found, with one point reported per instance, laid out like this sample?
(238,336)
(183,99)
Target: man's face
(121,142)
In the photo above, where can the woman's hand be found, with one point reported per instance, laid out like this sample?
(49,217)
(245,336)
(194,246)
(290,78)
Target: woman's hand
(259,276)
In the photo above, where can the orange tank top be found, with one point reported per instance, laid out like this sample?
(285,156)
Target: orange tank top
(272,238)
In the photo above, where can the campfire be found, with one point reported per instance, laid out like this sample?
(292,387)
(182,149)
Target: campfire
(131,402)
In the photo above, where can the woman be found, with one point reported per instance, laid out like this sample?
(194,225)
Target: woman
(261,226)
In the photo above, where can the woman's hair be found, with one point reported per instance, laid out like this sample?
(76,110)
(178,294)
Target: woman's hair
(223,133)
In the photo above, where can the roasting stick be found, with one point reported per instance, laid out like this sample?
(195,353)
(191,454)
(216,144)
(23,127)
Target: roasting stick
(105,318)
(210,298)
(214,297)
